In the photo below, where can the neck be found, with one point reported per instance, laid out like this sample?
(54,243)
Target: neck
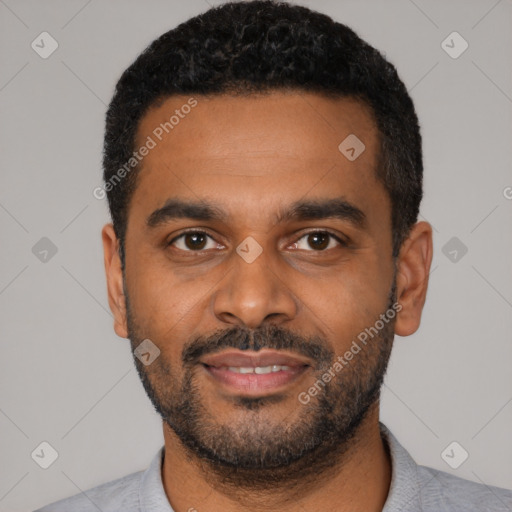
(357,478)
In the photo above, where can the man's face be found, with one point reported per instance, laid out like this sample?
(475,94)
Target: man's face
(252,305)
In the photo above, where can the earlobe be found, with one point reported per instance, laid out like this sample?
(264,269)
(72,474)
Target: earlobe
(114,276)
(413,268)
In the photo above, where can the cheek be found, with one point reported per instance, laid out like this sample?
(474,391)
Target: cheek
(349,299)
(166,309)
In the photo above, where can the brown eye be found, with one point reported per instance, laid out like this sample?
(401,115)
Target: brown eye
(195,241)
(192,241)
(318,241)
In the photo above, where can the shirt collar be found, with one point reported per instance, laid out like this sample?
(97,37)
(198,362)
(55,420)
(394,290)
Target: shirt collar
(404,489)
(152,497)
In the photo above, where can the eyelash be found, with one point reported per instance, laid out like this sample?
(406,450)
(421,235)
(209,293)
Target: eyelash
(342,243)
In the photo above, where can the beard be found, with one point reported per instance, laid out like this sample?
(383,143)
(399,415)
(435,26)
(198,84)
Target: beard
(254,450)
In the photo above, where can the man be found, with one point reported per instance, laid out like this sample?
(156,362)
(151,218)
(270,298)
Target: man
(263,168)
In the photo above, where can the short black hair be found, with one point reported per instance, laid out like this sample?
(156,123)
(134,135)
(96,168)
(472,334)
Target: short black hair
(252,47)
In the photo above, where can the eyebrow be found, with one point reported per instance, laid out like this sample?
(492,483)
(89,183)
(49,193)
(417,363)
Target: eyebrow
(302,210)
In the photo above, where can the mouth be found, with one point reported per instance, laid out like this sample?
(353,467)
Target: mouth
(255,373)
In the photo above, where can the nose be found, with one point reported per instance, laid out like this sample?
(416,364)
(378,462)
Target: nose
(253,294)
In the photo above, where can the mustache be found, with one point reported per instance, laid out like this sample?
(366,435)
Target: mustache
(270,337)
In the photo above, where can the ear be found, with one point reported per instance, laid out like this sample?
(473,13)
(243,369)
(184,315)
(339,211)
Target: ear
(114,274)
(413,268)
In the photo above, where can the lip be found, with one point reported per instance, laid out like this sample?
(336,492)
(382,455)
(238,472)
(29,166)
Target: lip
(263,357)
(252,384)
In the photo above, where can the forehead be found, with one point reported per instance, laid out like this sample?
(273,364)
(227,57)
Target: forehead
(258,151)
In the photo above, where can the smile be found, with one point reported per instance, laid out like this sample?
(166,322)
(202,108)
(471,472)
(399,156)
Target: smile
(255,373)
(260,370)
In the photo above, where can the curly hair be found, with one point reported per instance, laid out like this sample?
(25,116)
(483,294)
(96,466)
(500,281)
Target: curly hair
(251,47)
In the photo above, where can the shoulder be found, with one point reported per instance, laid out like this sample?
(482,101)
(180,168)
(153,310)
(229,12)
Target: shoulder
(121,494)
(421,488)
(442,491)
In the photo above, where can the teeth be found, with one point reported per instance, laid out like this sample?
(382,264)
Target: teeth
(258,369)
(263,369)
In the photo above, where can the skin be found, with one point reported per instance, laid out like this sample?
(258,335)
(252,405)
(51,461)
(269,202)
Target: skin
(254,156)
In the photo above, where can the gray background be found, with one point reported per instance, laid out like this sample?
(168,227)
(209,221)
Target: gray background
(67,379)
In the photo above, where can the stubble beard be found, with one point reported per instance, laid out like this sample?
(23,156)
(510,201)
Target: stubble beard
(254,452)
